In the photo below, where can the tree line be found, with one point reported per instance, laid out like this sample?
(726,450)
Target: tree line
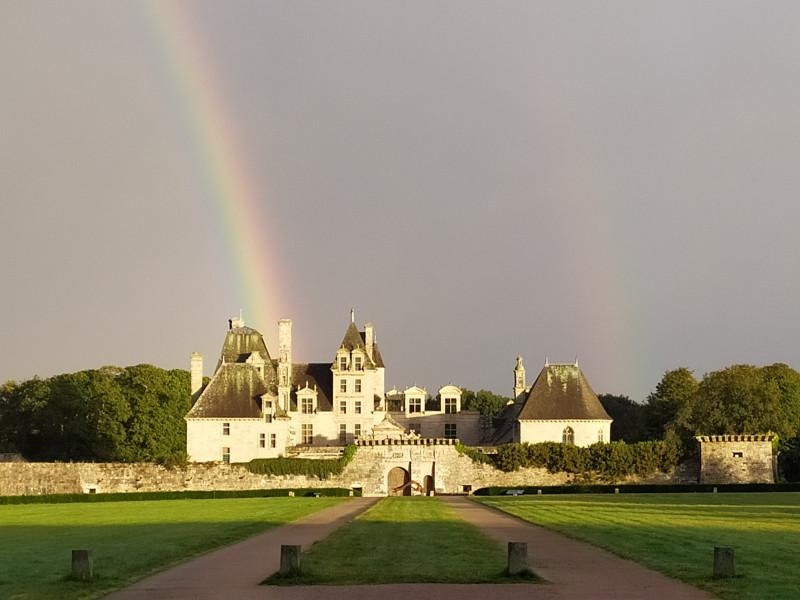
(126,414)
(132,414)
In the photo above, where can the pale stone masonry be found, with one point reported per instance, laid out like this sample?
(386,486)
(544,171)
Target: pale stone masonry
(736,458)
(257,406)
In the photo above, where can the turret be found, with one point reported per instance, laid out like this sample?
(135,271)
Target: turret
(519,380)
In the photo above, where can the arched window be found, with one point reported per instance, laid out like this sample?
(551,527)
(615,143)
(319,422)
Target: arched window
(600,435)
(568,437)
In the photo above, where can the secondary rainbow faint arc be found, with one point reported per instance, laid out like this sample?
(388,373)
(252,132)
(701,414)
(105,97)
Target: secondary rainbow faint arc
(236,197)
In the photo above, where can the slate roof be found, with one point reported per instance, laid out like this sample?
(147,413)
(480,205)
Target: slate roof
(240,343)
(318,374)
(353,338)
(233,392)
(561,392)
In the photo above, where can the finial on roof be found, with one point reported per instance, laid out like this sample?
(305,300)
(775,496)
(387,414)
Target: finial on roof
(546,361)
(352,315)
(576,360)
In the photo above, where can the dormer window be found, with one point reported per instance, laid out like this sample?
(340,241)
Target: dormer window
(414,405)
(358,364)
(307,405)
(342,363)
(450,406)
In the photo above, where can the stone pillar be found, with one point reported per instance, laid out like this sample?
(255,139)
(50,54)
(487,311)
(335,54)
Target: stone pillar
(290,560)
(517,558)
(82,567)
(724,564)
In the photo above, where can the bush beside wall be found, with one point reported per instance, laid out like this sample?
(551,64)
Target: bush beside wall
(310,467)
(609,461)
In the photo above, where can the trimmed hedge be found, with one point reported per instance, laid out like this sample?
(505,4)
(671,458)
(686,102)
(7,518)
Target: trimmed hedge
(609,461)
(191,495)
(310,467)
(665,488)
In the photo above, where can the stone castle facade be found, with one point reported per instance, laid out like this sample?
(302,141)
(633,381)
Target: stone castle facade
(260,406)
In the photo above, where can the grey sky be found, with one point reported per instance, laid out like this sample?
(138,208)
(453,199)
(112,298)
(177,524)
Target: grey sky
(613,180)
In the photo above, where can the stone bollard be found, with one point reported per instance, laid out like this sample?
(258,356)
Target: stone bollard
(715,490)
(538,492)
(290,560)
(350,493)
(724,564)
(517,558)
(82,565)
(616,490)
(291,494)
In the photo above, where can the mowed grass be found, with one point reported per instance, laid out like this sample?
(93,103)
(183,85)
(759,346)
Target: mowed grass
(401,540)
(129,539)
(676,534)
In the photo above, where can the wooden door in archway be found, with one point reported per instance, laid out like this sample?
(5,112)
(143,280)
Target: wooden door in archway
(427,485)
(398,482)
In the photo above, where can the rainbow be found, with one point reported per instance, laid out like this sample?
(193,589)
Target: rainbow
(238,202)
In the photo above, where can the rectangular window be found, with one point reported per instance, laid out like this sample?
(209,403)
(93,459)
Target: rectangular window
(307,431)
(308,406)
(343,406)
(450,406)
(358,364)
(342,433)
(342,363)
(343,386)
(262,440)
(450,431)
(226,455)
(358,407)
(358,385)
(273,440)
(226,429)
(357,430)
(414,405)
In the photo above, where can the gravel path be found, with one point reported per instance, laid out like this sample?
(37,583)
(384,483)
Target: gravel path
(572,569)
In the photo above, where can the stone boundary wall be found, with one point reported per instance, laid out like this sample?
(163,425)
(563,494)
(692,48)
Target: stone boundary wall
(450,471)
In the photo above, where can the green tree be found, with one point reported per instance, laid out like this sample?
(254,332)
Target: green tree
(629,418)
(672,394)
(746,399)
(485,402)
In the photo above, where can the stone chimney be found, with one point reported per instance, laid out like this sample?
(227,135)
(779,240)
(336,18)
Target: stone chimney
(369,339)
(197,372)
(284,362)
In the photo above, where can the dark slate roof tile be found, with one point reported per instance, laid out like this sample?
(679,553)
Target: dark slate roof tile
(561,392)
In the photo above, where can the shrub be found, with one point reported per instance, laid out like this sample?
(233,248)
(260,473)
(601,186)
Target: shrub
(310,467)
(609,461)
(476,455)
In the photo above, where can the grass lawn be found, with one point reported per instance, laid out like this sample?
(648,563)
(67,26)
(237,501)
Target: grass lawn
(399,540)
(676,534)
(129,539)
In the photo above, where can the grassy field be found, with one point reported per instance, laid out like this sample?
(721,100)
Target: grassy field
(404,540)
(676,534)
(129,539)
